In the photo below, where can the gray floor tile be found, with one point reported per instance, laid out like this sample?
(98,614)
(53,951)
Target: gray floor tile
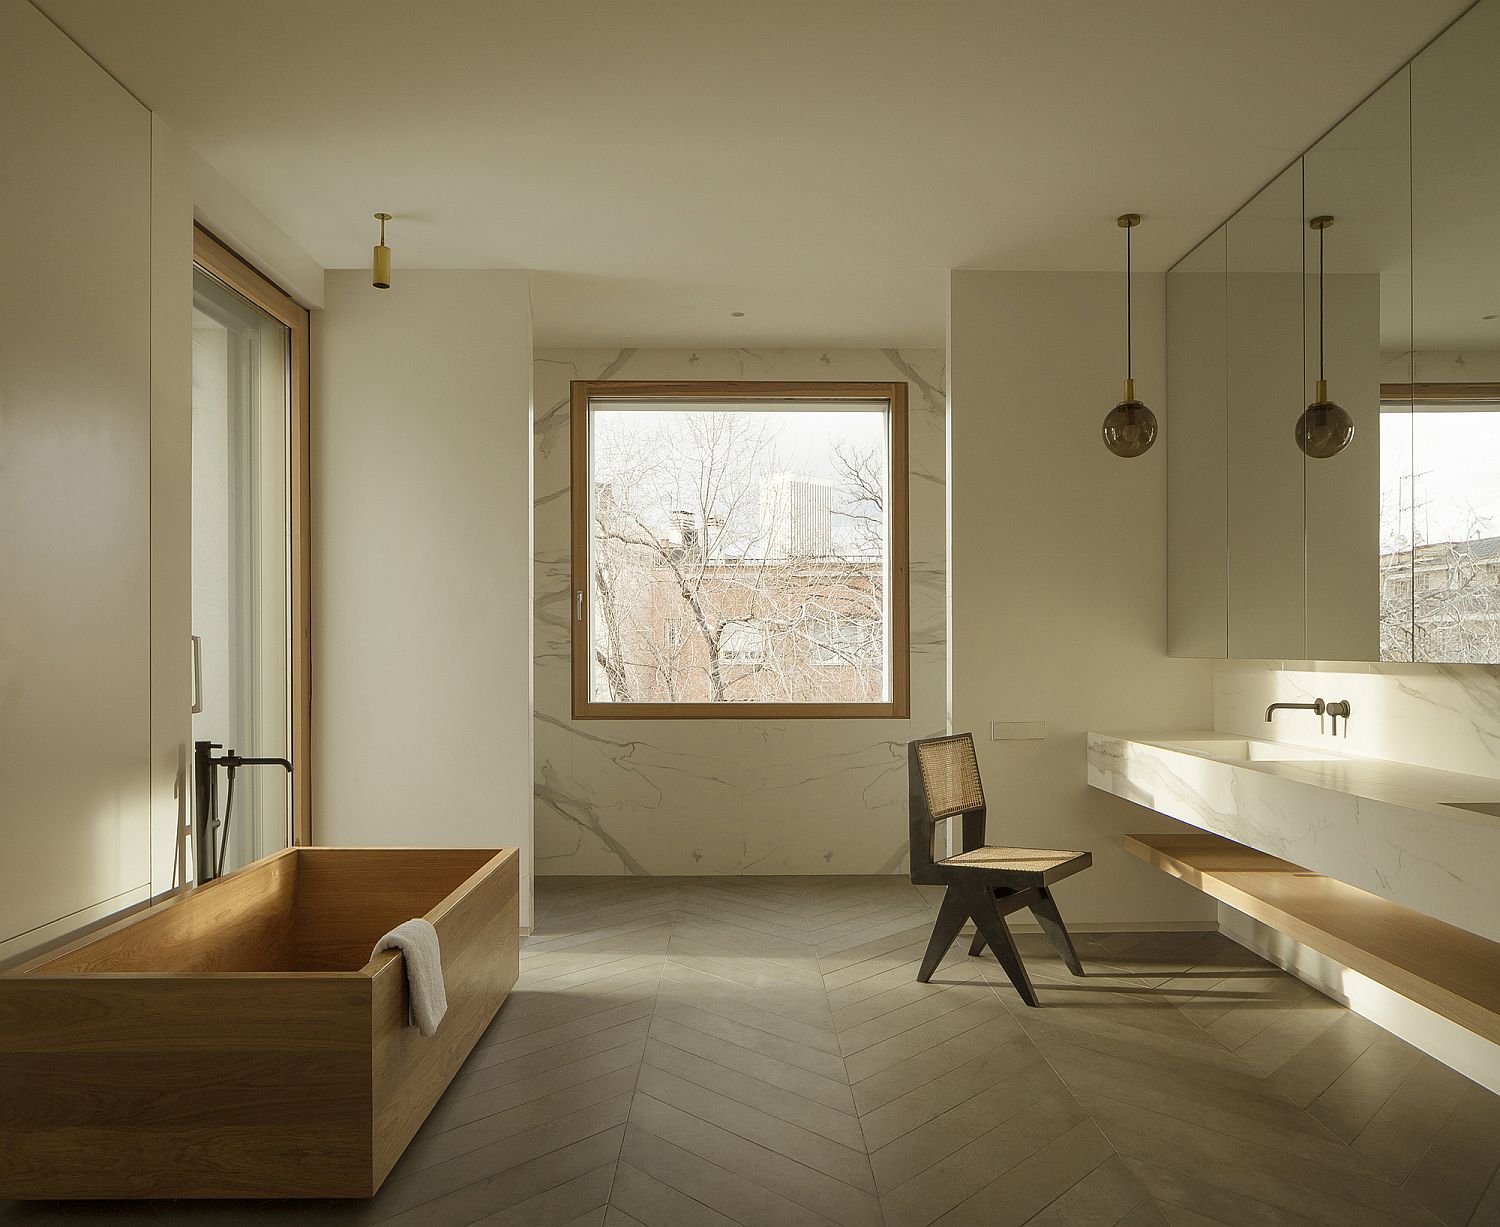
(757,1051)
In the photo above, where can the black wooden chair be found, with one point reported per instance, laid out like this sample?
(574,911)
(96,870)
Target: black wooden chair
(985,883)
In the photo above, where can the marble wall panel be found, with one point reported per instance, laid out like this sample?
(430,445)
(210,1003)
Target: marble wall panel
(731,796)
(1443,716)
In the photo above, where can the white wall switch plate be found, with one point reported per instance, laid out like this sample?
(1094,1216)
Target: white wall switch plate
(1018,730)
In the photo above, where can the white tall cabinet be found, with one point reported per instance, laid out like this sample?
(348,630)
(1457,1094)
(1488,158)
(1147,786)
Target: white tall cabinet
(75,486)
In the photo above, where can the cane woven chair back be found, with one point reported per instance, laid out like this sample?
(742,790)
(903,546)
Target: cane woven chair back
(950,775)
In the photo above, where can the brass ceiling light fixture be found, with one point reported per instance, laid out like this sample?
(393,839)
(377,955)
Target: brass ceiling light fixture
(1130,427)
(1324,429)
(381,269)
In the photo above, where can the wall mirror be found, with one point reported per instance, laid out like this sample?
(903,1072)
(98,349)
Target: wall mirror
(1390,549)
(1197,449)
(1449,512)
(1360,175)
(1264,478)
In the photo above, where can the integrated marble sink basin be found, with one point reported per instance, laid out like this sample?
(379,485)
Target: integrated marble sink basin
(1492,808)
(1248,750)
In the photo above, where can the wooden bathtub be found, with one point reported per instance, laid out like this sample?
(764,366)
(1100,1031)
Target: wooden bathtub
(238,1041)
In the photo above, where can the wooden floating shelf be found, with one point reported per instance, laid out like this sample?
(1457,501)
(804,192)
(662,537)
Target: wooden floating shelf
(1449,970)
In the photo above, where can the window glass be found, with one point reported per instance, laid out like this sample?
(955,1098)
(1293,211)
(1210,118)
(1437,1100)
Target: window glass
(1440,532)
(739,552)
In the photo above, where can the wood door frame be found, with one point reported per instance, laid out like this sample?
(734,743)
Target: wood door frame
(220,261)
(1397,393)
(893,395)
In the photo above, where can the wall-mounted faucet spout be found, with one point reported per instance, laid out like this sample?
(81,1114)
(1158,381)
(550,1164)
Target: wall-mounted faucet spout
(1317,706)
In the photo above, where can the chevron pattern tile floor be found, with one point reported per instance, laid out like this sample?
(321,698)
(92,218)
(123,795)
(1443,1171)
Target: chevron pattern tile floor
(757,1051)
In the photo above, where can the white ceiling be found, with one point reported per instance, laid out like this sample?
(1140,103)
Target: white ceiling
(816,164)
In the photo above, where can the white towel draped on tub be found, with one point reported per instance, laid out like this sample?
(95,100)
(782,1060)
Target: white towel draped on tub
(418,942)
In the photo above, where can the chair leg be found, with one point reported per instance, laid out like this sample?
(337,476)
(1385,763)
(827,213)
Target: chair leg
(950,920)
(997,937)
(1045,910)
(977,945)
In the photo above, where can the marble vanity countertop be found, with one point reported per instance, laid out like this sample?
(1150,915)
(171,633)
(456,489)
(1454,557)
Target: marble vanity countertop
(1376,824)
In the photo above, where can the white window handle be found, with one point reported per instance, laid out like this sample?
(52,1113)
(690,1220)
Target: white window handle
(579,602)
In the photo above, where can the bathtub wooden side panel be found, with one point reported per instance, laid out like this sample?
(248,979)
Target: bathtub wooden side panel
(480,939)
(135,1086)
(240,922)
(348,897)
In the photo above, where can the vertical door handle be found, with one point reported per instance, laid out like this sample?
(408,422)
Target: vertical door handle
(578,616)
(197,675)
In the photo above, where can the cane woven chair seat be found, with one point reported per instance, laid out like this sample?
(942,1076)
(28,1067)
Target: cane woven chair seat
(1038,864)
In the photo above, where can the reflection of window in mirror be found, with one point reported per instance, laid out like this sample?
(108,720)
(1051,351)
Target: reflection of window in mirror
(1440,522)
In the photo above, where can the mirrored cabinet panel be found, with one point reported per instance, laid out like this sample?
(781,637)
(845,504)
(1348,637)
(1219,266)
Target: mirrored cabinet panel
(1358,428)
(1197,384)
(1357,188)
(1451,511)
(1264,478)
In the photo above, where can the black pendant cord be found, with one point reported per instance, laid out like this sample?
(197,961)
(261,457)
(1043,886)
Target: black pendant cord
(1320,306)
(1129,347)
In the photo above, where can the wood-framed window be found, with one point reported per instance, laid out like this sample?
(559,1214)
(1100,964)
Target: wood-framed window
(739,550)
(212,257)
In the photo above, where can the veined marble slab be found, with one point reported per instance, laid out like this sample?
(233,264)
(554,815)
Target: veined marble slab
(1378,825)
(730,796)
(1444,716)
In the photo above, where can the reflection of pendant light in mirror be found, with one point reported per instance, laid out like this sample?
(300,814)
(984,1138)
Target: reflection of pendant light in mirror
(1129,428)
(1324,429)
(381,277)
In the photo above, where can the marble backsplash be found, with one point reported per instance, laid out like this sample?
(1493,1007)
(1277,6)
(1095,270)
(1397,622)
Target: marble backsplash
(1443,716)
(731,796)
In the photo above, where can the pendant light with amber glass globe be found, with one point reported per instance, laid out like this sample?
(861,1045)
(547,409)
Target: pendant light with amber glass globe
(1324,429)
(1130,427)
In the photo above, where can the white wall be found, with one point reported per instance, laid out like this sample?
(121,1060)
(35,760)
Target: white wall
(1059,572)
(1441,366)
(421,448)
(253,236)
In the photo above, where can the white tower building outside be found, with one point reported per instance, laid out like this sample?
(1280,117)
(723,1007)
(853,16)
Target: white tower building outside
(796,515)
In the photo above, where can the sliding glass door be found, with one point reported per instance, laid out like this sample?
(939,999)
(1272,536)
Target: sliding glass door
(249,557)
